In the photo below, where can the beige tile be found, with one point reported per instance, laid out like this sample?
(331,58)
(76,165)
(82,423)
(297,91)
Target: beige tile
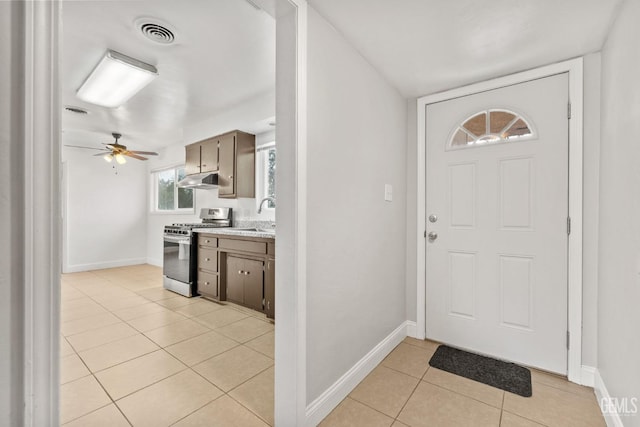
(176,332)
(131,376)
(219,318)
(408,359)
(222,412)
(176,302)
(431,405)
(109,416)
(245,329)
(69,294)
(398,424)
(385,390)
(169,400)
(476,390)
(232,368)
(156,294)
(198,308)
(107,355)
(351,413)
(201,348)
(139,311)
(72,368)
(81,397)
(264,344)
(65,347)
(554,407)
(511,420)
(559,382)
(100,336)
(257,395)
(426,344)
(155,320)
(88,323)
(120,303)
(66,305)
(85,310)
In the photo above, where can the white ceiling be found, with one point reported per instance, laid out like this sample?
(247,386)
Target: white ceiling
(426,46)
(224,56)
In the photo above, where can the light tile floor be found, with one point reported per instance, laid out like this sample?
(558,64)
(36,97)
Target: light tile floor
(134,354)
(404,391)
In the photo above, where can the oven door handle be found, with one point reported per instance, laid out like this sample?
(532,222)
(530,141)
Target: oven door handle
(182,240)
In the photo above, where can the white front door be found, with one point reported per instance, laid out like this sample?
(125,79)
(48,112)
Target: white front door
(497,208)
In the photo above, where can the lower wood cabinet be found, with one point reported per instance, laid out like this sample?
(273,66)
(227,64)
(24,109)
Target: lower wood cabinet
(270,288)
(245,278)
(240,270)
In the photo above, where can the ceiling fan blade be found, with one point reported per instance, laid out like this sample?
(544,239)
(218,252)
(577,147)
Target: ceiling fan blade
(148,153)
(102,154)
(135,156)
(86,148)
(109,146)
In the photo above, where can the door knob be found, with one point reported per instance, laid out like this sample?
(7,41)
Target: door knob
(433,218)
(432,236)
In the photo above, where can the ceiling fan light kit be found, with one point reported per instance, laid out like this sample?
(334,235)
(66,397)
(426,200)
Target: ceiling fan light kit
(115,80)
(120,159)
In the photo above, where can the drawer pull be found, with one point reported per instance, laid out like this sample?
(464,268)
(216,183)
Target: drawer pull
(207,283)
(240,272)
(207,259)
(246,273)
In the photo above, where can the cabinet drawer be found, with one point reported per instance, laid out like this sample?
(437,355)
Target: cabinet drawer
(208,283)
(243,245)
(207,259)
(207,240)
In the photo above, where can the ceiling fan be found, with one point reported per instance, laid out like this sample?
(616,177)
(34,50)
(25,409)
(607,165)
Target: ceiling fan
(117,151)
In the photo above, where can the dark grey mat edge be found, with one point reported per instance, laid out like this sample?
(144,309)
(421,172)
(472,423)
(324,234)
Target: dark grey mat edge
(496,373)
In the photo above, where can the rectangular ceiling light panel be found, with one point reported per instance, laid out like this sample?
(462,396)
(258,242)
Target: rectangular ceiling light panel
(115,80)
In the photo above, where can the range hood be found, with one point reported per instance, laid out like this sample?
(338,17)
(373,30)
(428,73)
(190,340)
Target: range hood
(205,180)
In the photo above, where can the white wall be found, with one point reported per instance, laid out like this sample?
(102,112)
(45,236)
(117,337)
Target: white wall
(11,215)
(356,240)
(619,231)
(105,212)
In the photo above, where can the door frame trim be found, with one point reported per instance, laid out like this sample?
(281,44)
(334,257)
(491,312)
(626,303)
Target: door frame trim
(574,68)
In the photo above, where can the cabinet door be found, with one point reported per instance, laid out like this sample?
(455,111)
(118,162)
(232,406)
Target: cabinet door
(270,289)
(192,162)
(209,156)
(227,170)
(235,279)
(253,283)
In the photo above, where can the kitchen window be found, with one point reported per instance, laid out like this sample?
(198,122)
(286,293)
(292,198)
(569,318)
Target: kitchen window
(167,197)
(266,173)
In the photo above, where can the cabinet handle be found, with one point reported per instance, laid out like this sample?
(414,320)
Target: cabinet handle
(246,273)
(207,259)
(240,272)
(230,176)
(207,241)
(206,283)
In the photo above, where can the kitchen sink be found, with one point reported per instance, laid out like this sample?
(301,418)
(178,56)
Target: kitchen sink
(258,230)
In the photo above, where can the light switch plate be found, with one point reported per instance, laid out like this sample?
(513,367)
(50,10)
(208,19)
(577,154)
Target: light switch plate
(388,192)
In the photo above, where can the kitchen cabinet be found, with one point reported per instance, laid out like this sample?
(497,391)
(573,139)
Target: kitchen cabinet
(245,278)
(232,156)
(201,157)
(207,275)
(238,269)
(270,288)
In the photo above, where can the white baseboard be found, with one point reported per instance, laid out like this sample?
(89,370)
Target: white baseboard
(588,376)
(321,407)
(412,329)
(153,261)
(602,394)
(101,265)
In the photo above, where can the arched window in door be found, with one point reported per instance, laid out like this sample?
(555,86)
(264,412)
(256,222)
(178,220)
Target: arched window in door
(491,127)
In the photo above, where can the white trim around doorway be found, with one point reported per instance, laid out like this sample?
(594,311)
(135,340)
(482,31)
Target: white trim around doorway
(574,68)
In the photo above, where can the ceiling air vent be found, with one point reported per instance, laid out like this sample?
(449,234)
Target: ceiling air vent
(156,30)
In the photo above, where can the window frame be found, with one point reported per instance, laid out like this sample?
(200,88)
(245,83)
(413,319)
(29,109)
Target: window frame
(153,199)
(262,179)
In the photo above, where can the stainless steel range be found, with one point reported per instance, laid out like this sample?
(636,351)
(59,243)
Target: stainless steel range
(179,262)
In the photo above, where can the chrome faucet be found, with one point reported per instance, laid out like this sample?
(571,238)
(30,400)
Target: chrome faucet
(272,199)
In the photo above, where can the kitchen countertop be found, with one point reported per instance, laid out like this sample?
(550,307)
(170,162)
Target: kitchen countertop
(237,232)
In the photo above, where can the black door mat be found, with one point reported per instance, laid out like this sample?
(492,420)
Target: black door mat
(504,375)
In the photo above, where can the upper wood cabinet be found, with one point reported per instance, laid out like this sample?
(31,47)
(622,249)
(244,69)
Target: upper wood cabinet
(232,155)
